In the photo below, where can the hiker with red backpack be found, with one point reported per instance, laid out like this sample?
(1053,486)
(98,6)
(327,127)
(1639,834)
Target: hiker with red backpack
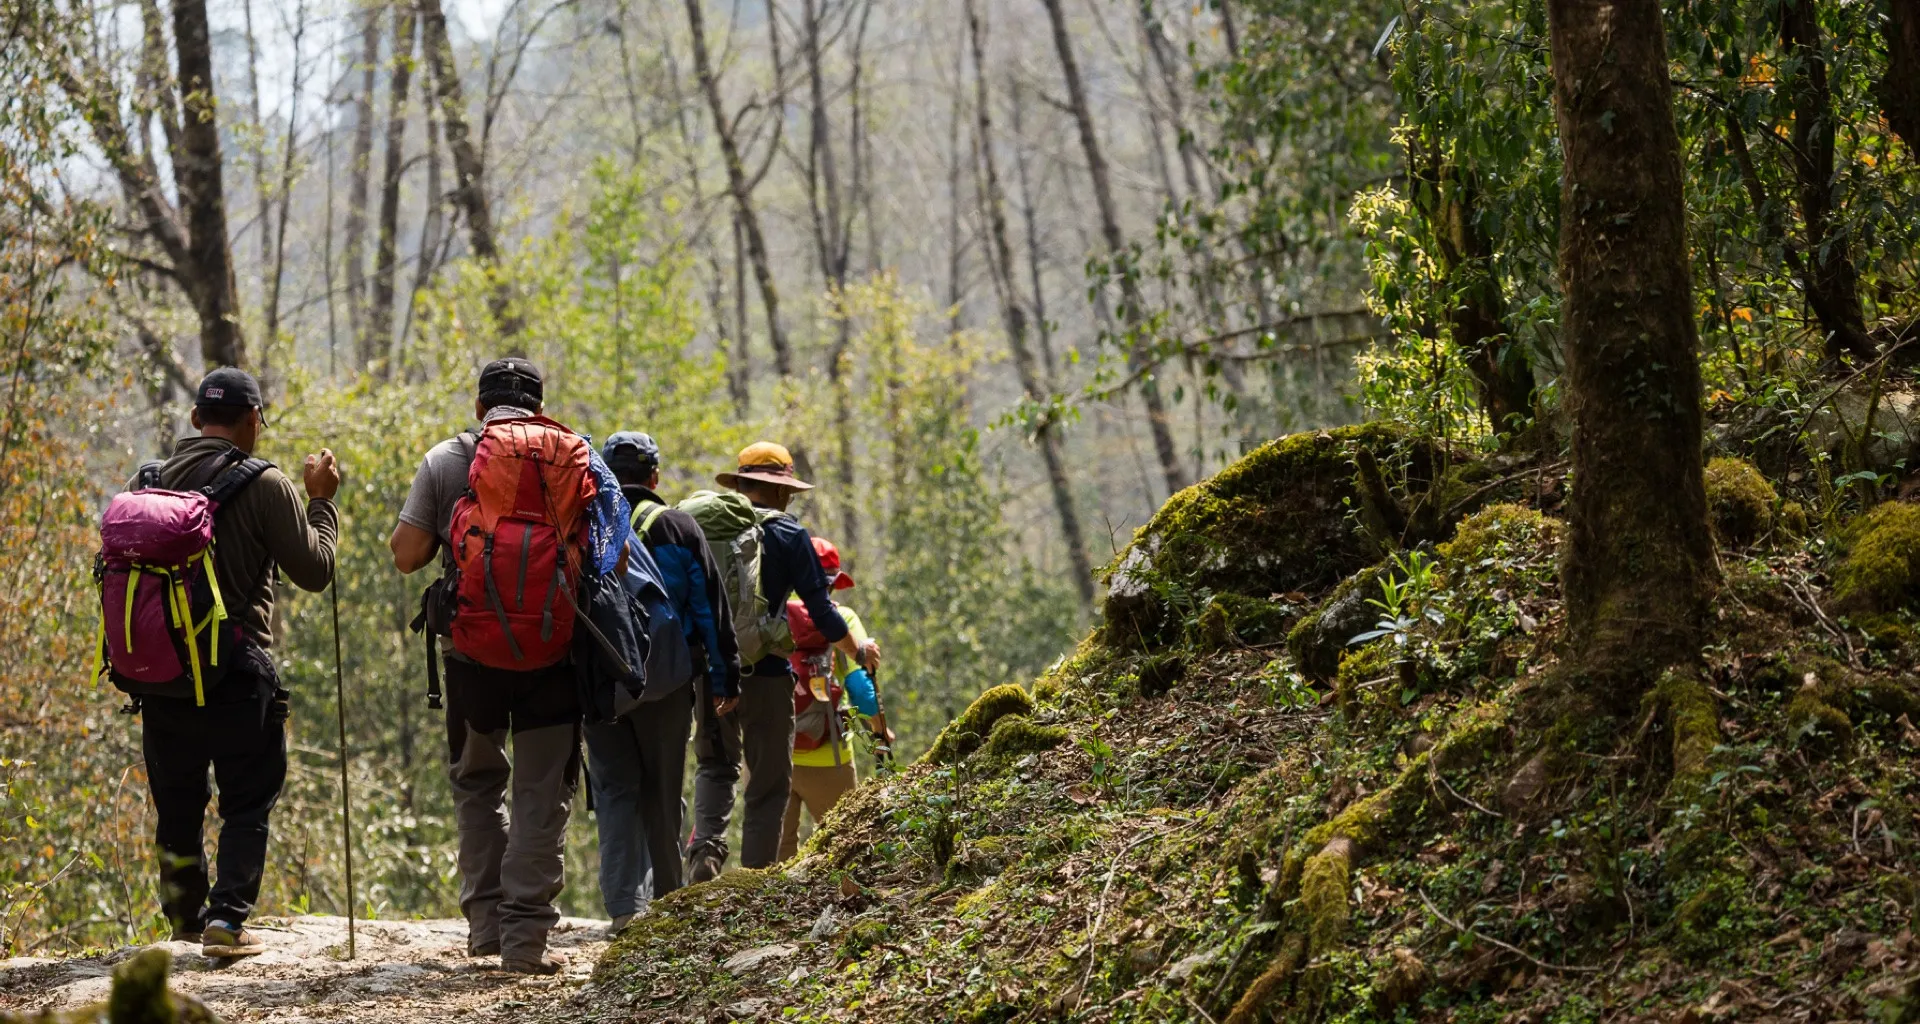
(186,571)
(638,760)
(823,681)
(764,557)
(520,507)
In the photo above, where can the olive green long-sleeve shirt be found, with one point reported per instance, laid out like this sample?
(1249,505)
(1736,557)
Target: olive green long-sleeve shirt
(268,523)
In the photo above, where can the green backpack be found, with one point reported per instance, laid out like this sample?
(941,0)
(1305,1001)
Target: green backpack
(735,532)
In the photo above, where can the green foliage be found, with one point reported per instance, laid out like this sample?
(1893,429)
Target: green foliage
(955,607)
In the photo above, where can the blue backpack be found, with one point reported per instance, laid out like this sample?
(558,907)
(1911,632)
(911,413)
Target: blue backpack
(638,650)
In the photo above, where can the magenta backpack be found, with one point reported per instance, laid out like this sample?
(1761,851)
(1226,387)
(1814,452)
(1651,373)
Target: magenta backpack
(165,629)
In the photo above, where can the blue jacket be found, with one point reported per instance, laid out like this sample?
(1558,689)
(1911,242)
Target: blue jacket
(692,581)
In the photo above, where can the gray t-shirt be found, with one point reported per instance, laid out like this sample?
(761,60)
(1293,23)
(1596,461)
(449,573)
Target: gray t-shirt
(442,479)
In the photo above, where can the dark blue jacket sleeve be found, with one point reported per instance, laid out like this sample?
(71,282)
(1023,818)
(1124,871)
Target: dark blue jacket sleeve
(810,584)
(700,610)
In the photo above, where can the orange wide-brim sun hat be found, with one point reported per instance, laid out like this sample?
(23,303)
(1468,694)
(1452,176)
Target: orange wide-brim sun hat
(767,463)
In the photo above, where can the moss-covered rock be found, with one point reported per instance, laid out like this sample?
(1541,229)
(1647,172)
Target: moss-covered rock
(1321,637)
(1881,570)
(1273,522)
(1494,531)
(139,996)
(1232,620)
(1741,504)
(1017,735)
(965,734)
(863,935)
(1831,700)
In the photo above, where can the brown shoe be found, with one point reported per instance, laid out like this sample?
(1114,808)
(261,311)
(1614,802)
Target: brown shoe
(221,941)
(547,963)
(491,947)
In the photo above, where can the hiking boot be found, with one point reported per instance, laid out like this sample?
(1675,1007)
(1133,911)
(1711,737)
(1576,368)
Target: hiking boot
(705,861)
(547,963)
(184,935)
(620,924)
(491,947)
(222,941)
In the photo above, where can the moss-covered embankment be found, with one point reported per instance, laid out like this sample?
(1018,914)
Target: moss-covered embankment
(1316,764)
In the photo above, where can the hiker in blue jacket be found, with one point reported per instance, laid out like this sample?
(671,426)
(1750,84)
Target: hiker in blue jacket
(637,763)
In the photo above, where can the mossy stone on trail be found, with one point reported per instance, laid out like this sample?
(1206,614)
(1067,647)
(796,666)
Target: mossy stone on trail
(1482,535)
(965,734)
(1741,504)
(1273,522)
(139,996)
(1881,571)
(1014,735)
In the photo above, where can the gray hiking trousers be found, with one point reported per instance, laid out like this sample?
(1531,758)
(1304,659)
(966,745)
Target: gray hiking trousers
(760,732)
(511,867)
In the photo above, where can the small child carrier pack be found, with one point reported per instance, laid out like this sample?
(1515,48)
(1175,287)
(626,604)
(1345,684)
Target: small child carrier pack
(165,630)
(819,714)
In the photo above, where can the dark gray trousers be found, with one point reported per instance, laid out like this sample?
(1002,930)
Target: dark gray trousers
(760,733)
(637,767)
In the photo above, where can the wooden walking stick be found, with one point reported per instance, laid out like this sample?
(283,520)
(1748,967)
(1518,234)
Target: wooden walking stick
(346,798)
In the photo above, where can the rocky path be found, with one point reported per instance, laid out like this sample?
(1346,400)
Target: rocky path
(403,971)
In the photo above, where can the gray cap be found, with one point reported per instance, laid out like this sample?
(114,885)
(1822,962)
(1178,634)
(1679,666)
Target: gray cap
(632,447)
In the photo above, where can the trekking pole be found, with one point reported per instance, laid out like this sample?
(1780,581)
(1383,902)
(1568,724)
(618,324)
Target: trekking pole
(882,750)
(346,799)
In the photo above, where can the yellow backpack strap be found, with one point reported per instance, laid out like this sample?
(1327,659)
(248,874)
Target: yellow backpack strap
(99,650)
(653,516)
(179,596)
(219,612)
(126,615)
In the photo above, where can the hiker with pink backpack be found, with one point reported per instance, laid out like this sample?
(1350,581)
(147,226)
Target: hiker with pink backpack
(528,521)
(188,555)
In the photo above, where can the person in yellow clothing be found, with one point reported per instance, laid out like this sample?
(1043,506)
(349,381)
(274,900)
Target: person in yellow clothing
(824,680)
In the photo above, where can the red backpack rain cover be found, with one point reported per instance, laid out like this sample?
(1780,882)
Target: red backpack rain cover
(518,538)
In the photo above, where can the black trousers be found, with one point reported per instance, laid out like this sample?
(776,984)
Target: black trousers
(243,740)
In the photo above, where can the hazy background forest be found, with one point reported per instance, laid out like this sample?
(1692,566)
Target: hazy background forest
(1005,273)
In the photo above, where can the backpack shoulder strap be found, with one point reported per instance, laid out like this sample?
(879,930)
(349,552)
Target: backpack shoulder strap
(654,510)
(241,473)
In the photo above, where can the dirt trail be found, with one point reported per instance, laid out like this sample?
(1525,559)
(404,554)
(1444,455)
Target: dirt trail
(404,971)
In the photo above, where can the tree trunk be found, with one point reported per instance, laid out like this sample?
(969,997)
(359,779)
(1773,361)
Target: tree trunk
(432,216)
(197,179)
(1899,88)
(1134,309)
(1639,564)
(284,195)
(831,241)
(741,189)
(360,171)
(1832,284)
(376,354)
(470,185)
(1000,259)
(1449,200)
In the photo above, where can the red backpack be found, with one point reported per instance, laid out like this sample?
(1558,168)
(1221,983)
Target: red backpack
(518,543)
(818,715)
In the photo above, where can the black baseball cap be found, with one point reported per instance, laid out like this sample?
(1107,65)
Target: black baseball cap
(229,386)
(511,381)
